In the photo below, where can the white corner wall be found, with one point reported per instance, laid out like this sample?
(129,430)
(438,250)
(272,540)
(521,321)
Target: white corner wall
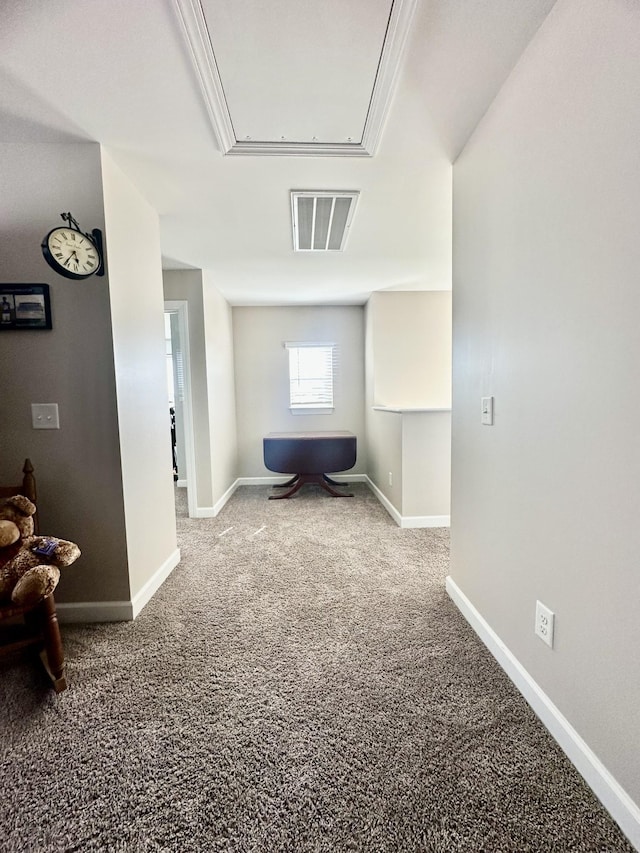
(78,467)
(132,237)
(408,366)
(546,307)
(221,393)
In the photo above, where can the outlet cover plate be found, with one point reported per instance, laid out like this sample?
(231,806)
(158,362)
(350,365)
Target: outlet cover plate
(45,416)
(545,619)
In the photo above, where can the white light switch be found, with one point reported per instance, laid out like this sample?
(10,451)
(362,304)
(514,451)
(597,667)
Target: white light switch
(487,411)
(45,416)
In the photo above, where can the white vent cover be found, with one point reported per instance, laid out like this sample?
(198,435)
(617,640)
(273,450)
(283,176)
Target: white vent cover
(321,220)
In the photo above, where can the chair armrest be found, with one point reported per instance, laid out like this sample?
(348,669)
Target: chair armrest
(35,584)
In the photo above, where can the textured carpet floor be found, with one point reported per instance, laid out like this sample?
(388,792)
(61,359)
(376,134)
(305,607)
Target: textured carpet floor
(302,683)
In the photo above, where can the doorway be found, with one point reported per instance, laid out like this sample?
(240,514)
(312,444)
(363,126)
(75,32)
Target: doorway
(179,399)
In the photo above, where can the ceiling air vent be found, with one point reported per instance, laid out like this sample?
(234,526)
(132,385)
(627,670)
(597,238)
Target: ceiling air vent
(321,220)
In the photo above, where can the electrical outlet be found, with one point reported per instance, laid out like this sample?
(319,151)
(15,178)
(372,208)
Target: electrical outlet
(390,478)
(544,623)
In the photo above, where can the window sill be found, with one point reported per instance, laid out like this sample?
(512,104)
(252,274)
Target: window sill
(311,410)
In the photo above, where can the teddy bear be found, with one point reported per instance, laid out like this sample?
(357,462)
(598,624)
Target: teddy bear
(29,565)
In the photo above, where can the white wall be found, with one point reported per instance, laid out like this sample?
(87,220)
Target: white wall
(137,315)
(262,376)
(426,452)
(385,455)
(78,467)
(412,358)
(546,308)
(221,388)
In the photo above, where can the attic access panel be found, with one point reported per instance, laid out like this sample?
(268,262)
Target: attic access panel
(296,76)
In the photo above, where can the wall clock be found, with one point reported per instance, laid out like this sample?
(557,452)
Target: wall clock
(73,253)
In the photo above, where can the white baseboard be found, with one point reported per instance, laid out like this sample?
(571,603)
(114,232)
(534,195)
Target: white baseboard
(204,512)
(408,520)
(117,611)
(425,521)
(613,797)
(274,480)
(278,480)
(386,503)
(349,478)
(144,595)
(212,511)
(225,497)
(181,484)
(94,611)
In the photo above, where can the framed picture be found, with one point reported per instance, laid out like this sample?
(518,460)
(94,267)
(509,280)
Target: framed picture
(24,306)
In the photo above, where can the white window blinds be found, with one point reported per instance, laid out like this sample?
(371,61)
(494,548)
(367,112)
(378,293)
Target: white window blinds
(311,375)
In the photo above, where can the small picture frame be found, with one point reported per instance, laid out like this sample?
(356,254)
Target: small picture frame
(24,306)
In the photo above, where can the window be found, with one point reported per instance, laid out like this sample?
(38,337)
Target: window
(310,375)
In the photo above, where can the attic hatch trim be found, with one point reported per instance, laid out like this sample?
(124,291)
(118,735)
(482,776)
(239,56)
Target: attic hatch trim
(307,231)
(195,31)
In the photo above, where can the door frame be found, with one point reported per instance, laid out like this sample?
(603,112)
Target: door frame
(181,308)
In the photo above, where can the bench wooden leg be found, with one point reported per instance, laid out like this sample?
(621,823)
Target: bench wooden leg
(324,482)
(334,482)
(300,479)
(288,483)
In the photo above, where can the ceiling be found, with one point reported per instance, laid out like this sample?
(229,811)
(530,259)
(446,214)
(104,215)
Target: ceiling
(126,74)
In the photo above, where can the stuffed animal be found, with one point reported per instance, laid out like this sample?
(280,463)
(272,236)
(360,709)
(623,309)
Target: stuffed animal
(29,565)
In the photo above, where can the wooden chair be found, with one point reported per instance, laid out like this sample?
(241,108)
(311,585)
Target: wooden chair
(27,488)
(35,626)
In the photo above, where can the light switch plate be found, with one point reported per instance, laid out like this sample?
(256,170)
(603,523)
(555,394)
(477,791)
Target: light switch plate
(487,411)
(45,416)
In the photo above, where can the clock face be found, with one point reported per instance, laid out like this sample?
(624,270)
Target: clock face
(71,253)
